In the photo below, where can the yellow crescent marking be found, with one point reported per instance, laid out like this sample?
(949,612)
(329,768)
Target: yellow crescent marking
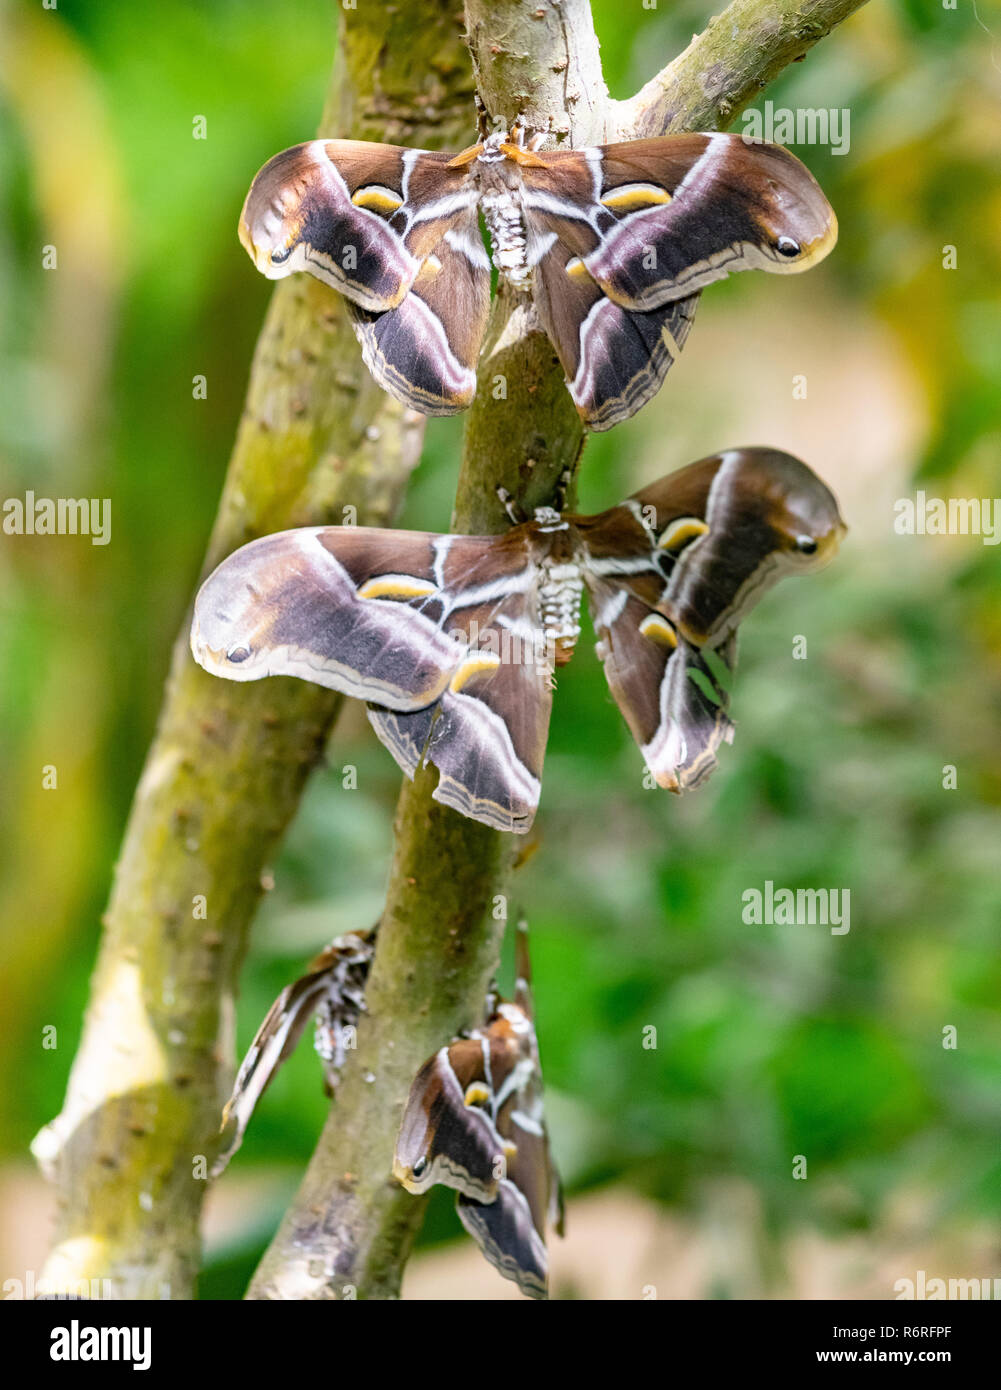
(476,1094)
(576,269)
(396,586)
(510,1149)
(431,267)
(635,195)
(476,664)
(681,531)
(376,198)
(659,630)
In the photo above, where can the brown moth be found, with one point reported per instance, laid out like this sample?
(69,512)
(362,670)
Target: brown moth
(613,244)
(454,640)
(474,1121)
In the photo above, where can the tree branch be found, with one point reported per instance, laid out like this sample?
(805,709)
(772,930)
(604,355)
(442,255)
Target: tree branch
(728,65)
(229,762)
(349,1229)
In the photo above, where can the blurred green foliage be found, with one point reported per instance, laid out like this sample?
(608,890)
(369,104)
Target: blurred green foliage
(771,1041)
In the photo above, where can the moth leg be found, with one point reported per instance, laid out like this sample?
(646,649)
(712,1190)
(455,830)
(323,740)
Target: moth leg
(561,489)
(510,506)
(482,117)
(538,140)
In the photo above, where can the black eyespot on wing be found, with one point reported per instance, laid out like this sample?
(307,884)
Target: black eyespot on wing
(238,654)
(785,246)
(806,545)
(280,257)
(419,1167)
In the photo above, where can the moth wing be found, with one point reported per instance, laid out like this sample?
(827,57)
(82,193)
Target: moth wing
(752,505)
(273,1043)
(456,1142)
(356,609)
(671,699)
(669,696)
(487,732)
(504,1231)
(424,351)
(615,358)
(530,1164)
(691,209)
(358,215)
(672,572)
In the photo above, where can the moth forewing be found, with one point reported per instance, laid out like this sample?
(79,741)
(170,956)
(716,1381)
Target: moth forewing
(290,604)
(702,208)
(441,1138)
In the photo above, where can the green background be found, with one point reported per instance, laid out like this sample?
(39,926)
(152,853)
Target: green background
(772,1041)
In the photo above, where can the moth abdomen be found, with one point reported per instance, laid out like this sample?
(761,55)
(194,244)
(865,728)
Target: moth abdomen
(559,607)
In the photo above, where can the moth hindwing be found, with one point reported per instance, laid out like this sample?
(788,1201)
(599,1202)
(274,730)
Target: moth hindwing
(615,243)
(453,640)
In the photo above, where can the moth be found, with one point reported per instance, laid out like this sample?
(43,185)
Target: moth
(333,991)
(454,640)
(612,244)
(474,1121)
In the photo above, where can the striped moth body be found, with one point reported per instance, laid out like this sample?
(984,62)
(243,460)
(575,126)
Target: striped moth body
(614,243)
(453,641)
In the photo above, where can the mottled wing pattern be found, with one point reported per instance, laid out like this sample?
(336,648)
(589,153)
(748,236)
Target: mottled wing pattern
(396,232)
(274,1042)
